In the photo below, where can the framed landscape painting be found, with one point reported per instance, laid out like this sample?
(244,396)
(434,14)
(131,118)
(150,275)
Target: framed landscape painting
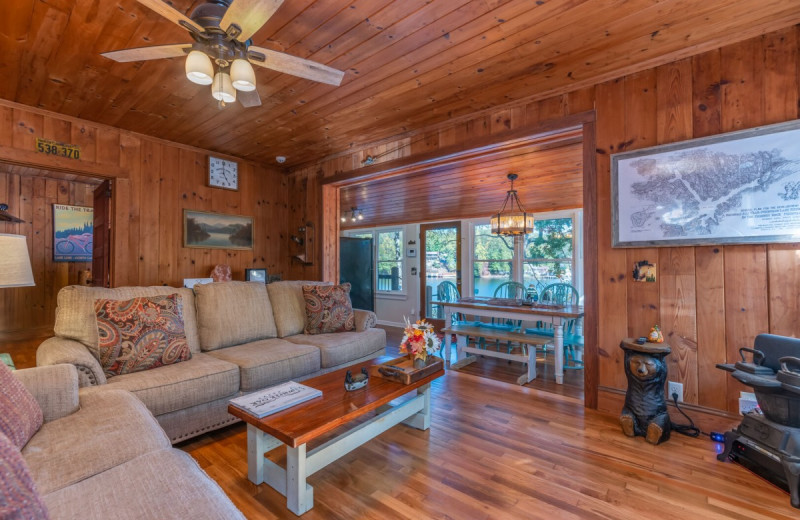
(740,187)
(217,230)
(73,233)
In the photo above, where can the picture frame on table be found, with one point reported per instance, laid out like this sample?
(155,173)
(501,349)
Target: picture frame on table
(737,188)
(256,275)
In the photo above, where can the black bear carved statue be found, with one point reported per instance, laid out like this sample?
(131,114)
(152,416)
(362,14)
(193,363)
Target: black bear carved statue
(645,411)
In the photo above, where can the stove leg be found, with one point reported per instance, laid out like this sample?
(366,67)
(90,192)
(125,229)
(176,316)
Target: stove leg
(792,472)
(729,438)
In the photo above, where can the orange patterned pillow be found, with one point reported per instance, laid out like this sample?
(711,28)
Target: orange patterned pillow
(140,334)
(328,309)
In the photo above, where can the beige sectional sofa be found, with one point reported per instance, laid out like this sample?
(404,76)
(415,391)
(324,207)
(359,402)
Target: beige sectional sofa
(243,336)
(100,454)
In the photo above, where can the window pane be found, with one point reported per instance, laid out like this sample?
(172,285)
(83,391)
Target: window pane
(361,235)
(390,261)
(492,247)
(489,275)
(541,274)
(551,239)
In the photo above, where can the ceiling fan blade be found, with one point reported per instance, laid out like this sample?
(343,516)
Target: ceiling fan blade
(169,12)
(249,15)
(296,66)
(148,53)
(249,99)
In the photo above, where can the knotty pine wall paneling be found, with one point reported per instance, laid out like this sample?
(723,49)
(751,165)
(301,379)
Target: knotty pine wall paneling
(154,181)
(709,301)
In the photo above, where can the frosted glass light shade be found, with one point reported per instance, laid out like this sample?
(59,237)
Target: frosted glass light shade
(222,89)
(199,68)
(510,224)
(15,264)
(243,76)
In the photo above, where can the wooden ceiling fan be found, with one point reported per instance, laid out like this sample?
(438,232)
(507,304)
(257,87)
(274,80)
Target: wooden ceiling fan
(221,30)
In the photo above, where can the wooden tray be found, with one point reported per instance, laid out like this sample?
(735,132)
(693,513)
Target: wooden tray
(402,369)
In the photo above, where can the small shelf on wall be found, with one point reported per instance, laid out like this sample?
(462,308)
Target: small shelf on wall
(305,242)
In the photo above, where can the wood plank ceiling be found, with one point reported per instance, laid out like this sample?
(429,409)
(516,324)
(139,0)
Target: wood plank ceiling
(548,180)
(409,63)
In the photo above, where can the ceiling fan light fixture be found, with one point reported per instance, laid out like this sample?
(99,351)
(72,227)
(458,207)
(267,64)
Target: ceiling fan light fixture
(243,75)
(222,88)
(199,68)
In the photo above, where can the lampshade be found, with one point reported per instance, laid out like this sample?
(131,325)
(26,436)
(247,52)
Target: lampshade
(243,76)
(512,218)
(222,89)
(199,68)
(15,264)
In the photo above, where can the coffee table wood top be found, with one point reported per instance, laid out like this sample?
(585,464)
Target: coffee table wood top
(307,421)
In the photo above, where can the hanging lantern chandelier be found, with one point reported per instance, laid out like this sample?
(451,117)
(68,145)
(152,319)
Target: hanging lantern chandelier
(511,219)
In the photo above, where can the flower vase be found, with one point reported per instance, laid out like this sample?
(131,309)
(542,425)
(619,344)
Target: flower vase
(419,363)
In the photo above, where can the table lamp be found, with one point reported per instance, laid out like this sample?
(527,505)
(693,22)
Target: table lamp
(15,264)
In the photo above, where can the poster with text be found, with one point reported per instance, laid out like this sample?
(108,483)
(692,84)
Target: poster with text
(72,233)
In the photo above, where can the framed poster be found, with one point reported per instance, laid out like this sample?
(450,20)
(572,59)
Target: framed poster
(740,187)
(73,233)
(217,230)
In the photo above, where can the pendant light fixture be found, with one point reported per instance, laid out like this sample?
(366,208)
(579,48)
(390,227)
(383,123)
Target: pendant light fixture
(355,215)
(511,220)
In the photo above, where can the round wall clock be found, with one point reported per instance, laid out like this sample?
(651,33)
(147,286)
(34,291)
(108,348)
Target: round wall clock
(223,173)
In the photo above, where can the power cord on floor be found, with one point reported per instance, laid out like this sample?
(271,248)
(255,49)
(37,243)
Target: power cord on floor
(690,430)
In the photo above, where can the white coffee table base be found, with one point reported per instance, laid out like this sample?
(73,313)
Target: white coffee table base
(291,482)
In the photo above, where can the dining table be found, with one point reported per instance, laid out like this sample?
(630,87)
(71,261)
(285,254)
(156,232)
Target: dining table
(517,310)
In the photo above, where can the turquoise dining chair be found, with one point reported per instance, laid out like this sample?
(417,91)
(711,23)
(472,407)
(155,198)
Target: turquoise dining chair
(562,294)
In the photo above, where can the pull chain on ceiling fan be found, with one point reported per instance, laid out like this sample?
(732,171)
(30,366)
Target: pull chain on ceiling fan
(229,48)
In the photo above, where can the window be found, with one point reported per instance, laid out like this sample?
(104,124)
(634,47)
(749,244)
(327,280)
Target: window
(365,234)
(493,258)
(549,253)
(390,261)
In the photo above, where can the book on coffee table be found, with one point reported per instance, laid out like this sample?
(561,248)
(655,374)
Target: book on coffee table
(275,398)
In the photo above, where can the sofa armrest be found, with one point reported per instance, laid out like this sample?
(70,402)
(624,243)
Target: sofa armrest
(365,319)
(55,351)
(54,387)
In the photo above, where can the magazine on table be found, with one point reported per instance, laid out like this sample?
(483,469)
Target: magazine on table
(275,398)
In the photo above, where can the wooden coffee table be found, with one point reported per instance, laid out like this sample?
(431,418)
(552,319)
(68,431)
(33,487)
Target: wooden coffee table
(301,424)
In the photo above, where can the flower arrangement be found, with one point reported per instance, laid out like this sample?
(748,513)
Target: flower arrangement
(419,340)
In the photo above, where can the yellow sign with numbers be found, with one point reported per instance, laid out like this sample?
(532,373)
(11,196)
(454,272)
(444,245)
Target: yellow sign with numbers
(70,151)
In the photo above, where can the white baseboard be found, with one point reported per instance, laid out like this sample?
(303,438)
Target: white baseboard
(390,323)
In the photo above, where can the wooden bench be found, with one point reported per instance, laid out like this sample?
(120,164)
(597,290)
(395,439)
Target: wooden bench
(464,332)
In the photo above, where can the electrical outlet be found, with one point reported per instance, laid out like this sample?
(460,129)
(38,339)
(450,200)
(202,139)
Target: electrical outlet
(675,388)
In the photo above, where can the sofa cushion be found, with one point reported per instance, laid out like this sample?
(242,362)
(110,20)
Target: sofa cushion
(76,319)
(165,484)
(328,309)
(174,387)
(18,496)
(289,306)
(140,334)
(112,427)
(338,348)
(232,313)
(269,362)
(20,414)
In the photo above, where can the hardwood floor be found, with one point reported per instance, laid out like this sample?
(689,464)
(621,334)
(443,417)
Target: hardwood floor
(498,450)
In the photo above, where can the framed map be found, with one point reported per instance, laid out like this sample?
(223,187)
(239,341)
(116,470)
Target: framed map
(740,187)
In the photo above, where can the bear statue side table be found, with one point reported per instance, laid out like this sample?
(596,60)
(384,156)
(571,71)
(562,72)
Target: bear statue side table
(645,411)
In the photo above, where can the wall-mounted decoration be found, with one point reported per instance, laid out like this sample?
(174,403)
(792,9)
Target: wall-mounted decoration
(644,271)
(70,151)
(73,233)
(216,230)
(740,187)
(255,275)
(223,173)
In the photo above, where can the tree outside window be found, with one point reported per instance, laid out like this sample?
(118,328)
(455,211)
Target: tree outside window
(492,260)
(549,253)
(390,260)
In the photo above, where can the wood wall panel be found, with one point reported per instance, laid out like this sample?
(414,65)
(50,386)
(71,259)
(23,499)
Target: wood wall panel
(154,181)
(709,300)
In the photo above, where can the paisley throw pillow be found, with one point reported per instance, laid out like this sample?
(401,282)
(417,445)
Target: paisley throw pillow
(328,309)
(140,334)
